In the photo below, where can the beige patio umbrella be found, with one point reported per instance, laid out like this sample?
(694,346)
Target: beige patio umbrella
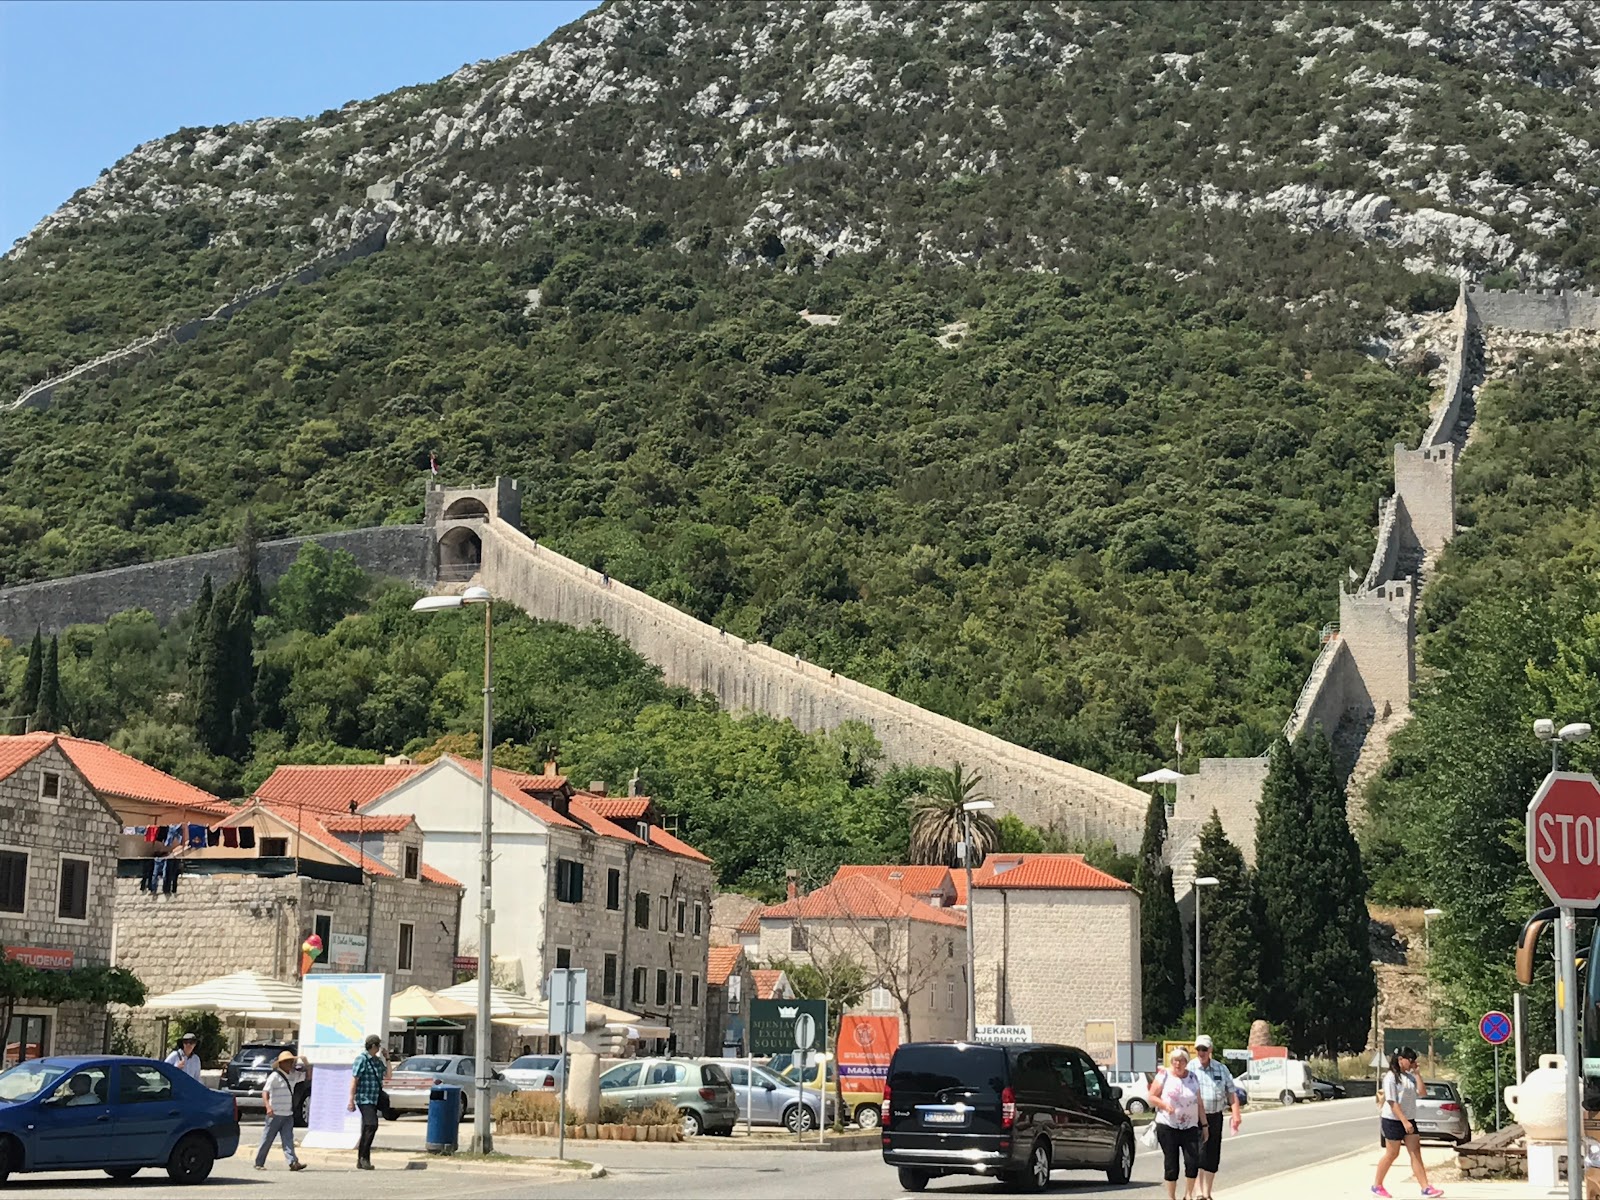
(419,1004)
(236,995)
(501,1002)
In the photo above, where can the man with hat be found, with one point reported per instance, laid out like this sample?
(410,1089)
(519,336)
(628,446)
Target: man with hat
(186,1058)
(1217,1092)
(279,1095)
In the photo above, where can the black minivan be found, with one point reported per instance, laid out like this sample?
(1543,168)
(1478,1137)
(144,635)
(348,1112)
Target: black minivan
(1016,1112)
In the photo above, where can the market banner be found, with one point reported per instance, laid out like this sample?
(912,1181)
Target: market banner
(866,1044)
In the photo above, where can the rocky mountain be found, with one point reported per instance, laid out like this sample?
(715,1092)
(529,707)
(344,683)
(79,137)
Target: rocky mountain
(1012,357)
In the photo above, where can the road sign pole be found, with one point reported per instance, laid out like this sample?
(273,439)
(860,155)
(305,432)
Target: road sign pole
(1497,1087)
(1569,1022)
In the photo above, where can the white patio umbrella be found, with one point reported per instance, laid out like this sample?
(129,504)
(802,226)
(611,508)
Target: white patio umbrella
(501,1002)
(244,993)
(1161,775)
(418,1003)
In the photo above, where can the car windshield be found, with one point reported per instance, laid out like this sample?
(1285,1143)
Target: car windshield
(426,1066)
(535,1062)
(26,1080)
(1436,1091)
(252,1056)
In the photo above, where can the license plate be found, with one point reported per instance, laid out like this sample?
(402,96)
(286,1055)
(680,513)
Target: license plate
(944,1118)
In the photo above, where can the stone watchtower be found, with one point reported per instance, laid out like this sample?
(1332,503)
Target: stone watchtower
(455,519)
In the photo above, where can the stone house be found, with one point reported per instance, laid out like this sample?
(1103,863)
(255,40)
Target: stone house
(58,858)
(619,896)
(911,952)
(730,986)
(361,885)
(1057,945)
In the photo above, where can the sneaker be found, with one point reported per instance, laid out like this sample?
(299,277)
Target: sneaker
(261,1166)
(1379,1190)
(297,1165)
(365,1166)
(1432,1191)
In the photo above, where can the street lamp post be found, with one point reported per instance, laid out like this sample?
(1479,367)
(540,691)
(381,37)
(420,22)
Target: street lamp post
(1204,881)
(1567,975)
(1428,914)
(482,1135)
(967,809)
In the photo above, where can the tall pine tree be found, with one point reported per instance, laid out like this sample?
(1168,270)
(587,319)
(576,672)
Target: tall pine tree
(32,676)
(1160,926)
(1316,964)
(48,714)
(1230,930)
(211,708)
(201,614)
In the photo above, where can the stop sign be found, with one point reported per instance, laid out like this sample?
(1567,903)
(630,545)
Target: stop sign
(1564,838)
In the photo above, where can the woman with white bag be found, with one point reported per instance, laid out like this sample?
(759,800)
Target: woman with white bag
(1175,1095)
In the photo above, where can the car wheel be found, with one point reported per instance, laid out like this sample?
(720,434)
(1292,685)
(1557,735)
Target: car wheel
(461,1116)
(692,1125)
(8,1157)
(1138,1106)
(122,1172)
(1035,1177)
(191,1159)
(799,1118)
(913,1181)
(1286,1097)
(868,1116)
(302,1107)
(1121,1168)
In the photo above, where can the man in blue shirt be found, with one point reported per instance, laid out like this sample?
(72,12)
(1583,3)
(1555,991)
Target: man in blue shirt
(367,1077)
(1217,1092)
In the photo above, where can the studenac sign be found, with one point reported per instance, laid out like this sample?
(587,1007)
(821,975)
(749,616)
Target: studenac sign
(772,1025)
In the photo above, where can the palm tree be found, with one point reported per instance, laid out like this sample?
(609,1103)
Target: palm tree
(937,819)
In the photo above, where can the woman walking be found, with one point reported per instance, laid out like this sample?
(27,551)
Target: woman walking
(1397,1121)
(1175,1095)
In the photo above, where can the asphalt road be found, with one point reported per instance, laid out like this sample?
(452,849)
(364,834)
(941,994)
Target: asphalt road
(1273,1140)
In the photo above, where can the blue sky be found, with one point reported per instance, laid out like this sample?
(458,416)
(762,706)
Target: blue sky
(81,84)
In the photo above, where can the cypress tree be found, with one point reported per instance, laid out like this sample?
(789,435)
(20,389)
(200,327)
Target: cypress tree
(212,709)
(33,674)
(1160,927)
(241,669)
(1230,931)
(202,613)
(1315,962)
(48,713)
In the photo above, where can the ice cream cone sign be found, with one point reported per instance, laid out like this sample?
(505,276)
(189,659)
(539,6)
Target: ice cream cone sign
(310,951)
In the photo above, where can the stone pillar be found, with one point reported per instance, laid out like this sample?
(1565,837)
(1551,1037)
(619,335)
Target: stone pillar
(583,1075)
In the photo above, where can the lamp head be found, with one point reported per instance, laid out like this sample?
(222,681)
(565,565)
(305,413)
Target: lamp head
(475,595)
(977,806)
(1207,881)
(1433,912)
(1544,729)
(1578,731)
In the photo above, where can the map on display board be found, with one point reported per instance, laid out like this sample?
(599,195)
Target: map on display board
(337,1013)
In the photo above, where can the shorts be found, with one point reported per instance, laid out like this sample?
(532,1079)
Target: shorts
(1392,1130)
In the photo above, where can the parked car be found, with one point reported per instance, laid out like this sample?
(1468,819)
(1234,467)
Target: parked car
(769,1099)
(247,1072)
(533,1072)
(1325,1089)
(1135,1087)
(701,1092)
(117,1115)
(411,1083)
(1016,1112)
(1286,1080)
(865,1107)
(1441,1113)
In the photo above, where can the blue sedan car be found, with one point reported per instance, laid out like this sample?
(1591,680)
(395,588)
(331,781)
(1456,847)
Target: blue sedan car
(112,1114)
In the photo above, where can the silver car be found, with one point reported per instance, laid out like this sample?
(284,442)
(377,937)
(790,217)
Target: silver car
(533,1072)
(769,1099)
(1441,1113)
(412,1081)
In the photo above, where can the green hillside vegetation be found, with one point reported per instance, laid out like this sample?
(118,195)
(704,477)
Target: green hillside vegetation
(1514,636)
(1110,505)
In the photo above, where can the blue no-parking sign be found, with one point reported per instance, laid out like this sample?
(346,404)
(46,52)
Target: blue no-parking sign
(1495,1028)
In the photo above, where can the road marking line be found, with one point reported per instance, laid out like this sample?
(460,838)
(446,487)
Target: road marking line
(1239,1137)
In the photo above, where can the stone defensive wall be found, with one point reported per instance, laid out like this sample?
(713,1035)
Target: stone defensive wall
(753,677)
(169,587)
(41,394)
(1535,310)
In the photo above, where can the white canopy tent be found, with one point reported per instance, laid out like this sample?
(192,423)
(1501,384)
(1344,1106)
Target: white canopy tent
(1161,775)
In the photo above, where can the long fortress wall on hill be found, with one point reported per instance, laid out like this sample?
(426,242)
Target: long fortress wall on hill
(168,587)
(752,677)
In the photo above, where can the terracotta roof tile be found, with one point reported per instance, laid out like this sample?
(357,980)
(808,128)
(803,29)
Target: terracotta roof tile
(397,823)
(618,808)
(112,773)
(504,778)
(914,881)
(1052,871)
(330,789)
(766,983)
(751,922)
(675,845)
(310,826)
(721,962)
(959,879)
(861,897)
(434,875)
(596,822)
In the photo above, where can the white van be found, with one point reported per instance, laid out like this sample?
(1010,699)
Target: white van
(1286,1080)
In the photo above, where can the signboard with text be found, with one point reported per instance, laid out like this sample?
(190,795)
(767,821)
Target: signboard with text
(772,1025)
(347,951)
(866,1044)
(45,958)
(1100,1042)
(1005,1035)
(337,1013)
(1564,838)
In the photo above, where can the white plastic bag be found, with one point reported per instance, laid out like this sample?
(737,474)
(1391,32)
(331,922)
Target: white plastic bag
(1148,1138)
